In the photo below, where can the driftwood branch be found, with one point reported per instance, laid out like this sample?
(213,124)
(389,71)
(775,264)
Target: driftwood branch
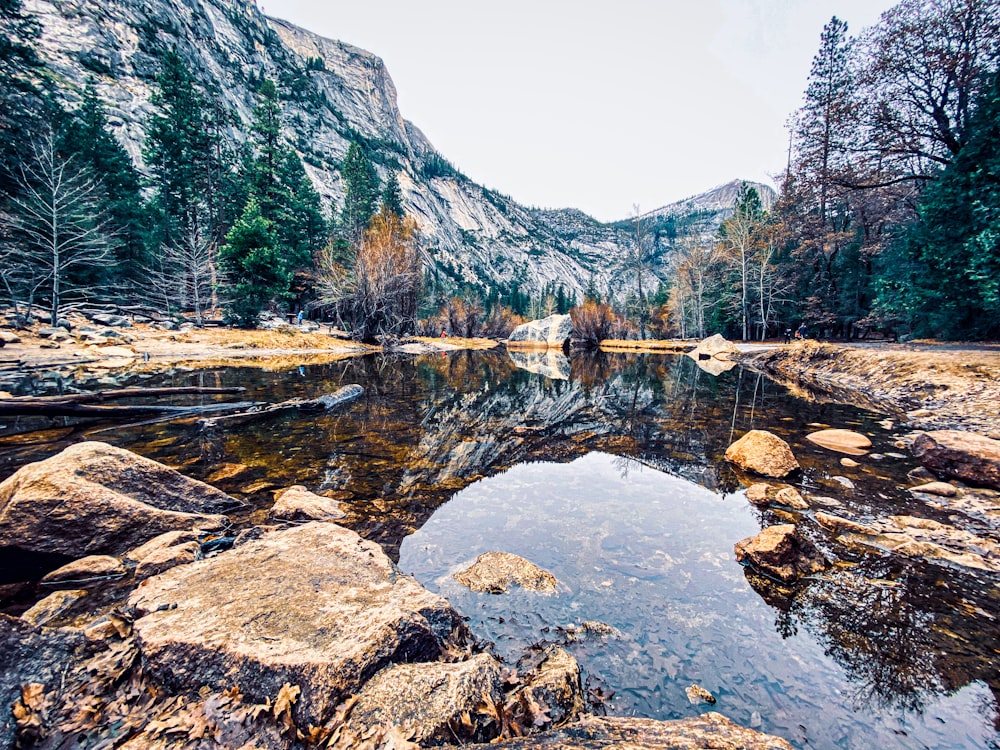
(101,396)
(323,403)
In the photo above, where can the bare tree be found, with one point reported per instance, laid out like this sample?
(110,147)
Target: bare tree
(59,223)
(379,295)
(184,276)
(698,265)
(637,257)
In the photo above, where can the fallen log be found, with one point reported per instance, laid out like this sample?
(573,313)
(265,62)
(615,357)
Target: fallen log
(323,403)
(64,409)
(101,396)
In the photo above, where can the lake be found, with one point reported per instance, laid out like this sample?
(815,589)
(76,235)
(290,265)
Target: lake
(608,471)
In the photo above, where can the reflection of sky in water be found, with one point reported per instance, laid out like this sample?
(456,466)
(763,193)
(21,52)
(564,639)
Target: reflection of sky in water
(652,555)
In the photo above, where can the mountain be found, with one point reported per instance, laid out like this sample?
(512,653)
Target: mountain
(332,94)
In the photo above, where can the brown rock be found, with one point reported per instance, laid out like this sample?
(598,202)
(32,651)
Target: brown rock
(839,525)
(86,569)
(964,455)
(697,694)
(792,498)
(161,542)
(428,702)
(757,493)
(166,558)
(495,572)
(315,606)
(710,731)
(849,463)
(781,552)
(763,453)
(52,606)
(842,441)
(227,471)
(299,504)
(95,498)
(552,689)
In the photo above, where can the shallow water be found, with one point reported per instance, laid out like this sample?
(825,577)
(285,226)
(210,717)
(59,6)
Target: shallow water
(614,480)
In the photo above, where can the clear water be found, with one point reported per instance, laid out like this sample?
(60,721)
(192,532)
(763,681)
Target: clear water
(613,479)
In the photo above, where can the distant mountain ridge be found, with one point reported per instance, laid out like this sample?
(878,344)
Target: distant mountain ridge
(332,94)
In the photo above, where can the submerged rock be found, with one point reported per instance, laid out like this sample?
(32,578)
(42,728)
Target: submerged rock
(697,694)
(781,552)
(963,455)
(299,504)
(95,498)
(763,453)
(792,498)
(428,702)
(710,731)
(551,332)
(314,606)
(496,572)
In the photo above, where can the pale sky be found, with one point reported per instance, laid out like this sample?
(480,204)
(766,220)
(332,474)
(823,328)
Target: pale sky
(594,105)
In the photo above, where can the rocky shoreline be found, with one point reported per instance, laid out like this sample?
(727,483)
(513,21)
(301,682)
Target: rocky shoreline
(295,634)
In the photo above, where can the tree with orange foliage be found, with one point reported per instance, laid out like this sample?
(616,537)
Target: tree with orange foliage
(378,296)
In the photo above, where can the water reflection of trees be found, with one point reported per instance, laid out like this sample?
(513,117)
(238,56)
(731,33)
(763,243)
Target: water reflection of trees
(902,633)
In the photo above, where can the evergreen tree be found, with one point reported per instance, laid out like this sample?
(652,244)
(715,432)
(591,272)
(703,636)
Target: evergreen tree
(945,277)
(21,105)
(361,190)
(392,196)
(267,138)
(251,263)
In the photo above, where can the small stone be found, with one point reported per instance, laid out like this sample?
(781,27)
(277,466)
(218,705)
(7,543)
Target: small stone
(849,463)
(52,606)
(299,504)
(941,489)
(792,498)
(921,474)
(844,481)
(86,569)
(839,525)
(697,694)
(161,542)
(495,572)
(757,493)
(842,441)
(168,557)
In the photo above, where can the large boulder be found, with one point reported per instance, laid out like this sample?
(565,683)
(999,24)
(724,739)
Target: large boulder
(315,606)
(714,347)
(964,455)
(710,731)
(496,572)
(781,552)
(94,498)
(764,453)
(428,701)
(551,332)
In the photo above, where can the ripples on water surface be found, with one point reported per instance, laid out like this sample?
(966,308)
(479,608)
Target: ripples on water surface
(614,481)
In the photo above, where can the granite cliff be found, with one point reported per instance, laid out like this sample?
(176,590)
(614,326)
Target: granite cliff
(332,94)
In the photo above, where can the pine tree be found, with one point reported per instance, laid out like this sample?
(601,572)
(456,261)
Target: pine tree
(251,262)
(392,196)
(361,189)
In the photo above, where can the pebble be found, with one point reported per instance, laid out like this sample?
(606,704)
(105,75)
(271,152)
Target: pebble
(850,463)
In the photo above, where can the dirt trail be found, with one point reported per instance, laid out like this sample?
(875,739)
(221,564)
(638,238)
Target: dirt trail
(934,386)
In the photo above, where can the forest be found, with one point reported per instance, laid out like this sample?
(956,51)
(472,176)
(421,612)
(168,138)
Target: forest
(887,221)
